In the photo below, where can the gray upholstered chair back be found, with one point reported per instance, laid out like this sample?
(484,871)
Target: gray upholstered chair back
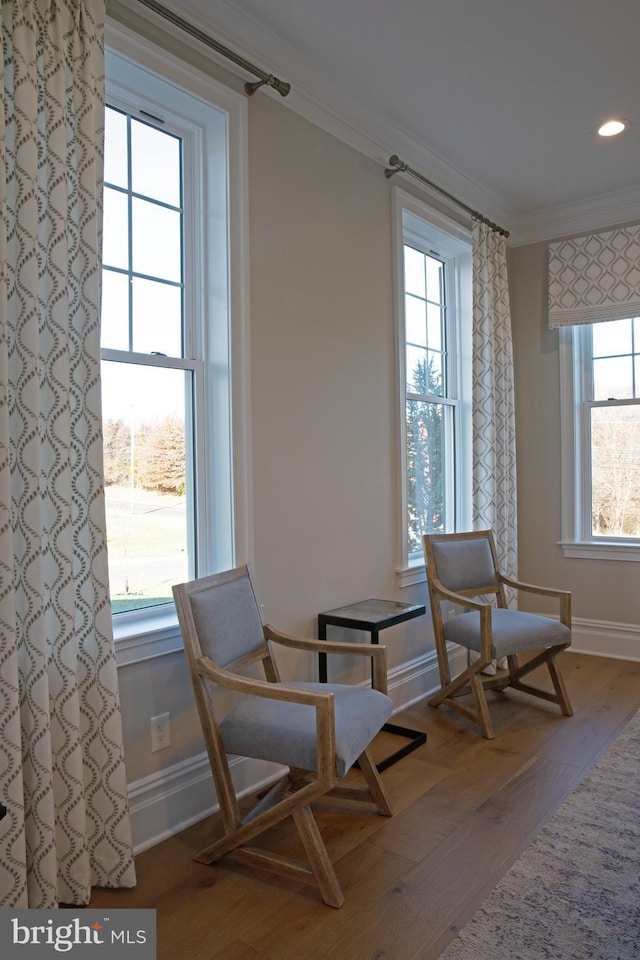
(227,619)
(465,564)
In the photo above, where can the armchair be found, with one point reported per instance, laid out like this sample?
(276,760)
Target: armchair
(317,730)
(460,568)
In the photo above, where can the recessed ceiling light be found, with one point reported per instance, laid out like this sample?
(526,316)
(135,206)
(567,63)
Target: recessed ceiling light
(613,127)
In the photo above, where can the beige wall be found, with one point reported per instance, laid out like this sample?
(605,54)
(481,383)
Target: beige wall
(322,407)
(604,590)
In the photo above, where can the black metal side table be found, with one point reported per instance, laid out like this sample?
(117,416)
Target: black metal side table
(373,616)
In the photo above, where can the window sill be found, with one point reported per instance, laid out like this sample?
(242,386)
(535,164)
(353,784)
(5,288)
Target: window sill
(603,550)
(408,576)
(146,635)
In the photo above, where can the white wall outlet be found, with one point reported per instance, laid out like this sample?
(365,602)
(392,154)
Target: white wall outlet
(160,732)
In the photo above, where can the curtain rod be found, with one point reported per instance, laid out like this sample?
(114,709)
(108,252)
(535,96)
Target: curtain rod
(266,79)
(397,166)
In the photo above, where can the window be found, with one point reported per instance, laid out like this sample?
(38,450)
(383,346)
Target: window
(172,282)
(148,383)
(601,426)
(433,282)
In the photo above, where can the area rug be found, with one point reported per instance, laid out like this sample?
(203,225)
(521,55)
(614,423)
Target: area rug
(574,894)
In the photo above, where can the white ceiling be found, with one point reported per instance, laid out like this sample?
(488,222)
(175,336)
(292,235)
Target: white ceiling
(497,101)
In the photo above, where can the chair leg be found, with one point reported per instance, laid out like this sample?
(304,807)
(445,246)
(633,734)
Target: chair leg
(560,695)
(375,784)
(482,707)
(467,682)
(559,686)
(318,857)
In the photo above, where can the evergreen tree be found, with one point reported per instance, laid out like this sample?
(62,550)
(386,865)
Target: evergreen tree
(425,456)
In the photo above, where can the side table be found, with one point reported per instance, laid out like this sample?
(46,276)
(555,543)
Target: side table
(373,616)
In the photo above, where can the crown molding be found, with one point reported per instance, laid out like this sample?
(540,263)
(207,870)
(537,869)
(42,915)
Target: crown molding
(586,216)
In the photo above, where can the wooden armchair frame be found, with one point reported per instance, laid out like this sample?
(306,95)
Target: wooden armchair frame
(470,680)
(293,793)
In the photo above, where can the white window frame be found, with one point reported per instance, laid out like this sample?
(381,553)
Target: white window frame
(433,232)
(140,74)
(575,404)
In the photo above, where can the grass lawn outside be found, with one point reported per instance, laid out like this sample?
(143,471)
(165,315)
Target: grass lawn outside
(147,546)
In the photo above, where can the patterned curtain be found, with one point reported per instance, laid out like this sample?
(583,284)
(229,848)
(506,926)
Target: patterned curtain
(494,442)
(62,772)
(595,278)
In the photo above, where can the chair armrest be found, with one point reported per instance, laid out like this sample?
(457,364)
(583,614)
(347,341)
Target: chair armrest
(459,598)
(322,702)
(259,688)
(376,652)
(563,596)
(438,591)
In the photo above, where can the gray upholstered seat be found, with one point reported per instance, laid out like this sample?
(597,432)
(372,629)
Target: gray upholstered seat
(512,632)
(462,572)
(316,730)
(285,732)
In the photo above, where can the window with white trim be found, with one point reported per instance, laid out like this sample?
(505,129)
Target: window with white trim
(170,287)
(600,380)
(433,283)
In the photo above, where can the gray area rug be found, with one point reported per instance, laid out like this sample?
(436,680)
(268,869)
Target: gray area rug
(574,894)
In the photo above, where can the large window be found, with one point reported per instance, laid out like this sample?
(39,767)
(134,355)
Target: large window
(601,421)
(148,384)
(434,336)
(171,286)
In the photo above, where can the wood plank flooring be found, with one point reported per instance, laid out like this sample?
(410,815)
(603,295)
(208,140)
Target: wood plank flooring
(465,808)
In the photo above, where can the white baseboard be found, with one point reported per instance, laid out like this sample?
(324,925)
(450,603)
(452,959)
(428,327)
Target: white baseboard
(172,799)
(603,638)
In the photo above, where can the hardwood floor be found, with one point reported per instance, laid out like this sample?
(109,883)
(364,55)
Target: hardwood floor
(465,808)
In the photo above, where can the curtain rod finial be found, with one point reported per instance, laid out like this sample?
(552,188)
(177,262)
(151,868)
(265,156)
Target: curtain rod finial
(270,81)
(397,164)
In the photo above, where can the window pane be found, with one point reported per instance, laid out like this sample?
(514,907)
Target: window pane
(115,148)
(613,379)
(415,321)
(416,369)
(157,318)
(414,280)
(146,452)
(611,339)
(114,331)
(157,242)
(615,468)
(434,322)
(115,241)
(155,163)
(426,479)
(435,381)
(434,280)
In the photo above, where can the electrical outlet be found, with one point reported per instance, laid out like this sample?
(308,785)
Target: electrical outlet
(160,732)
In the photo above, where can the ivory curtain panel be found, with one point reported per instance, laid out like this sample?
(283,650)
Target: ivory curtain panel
(495,505)
(62,771)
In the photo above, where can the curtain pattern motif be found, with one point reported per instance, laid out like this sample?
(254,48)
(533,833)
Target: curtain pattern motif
(494,440)
(62,770)
(595,277)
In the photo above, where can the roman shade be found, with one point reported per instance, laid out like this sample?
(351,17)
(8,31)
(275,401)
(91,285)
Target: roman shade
(595,277)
